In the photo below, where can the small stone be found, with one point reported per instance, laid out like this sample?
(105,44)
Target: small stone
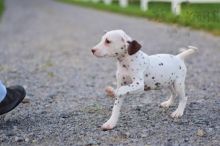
(3,137)
(144,135)
(201,133)
(26,139)
(127,134)
(92,142)
(176,120)
(10,134)
(30,134)
(34,141)
(26,100)
(7,117)
(138,108)
(210,130)
(2,117)
(18,139)
(62,119)
(15,128)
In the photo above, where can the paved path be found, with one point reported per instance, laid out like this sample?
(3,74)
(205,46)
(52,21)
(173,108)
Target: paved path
(45,46)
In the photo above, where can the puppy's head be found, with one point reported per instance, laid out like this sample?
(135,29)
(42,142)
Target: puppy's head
(115,43)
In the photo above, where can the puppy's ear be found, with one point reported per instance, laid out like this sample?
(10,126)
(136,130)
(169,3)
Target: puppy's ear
(133,47)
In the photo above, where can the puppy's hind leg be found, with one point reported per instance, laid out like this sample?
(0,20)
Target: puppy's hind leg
(180,89)
(168,103)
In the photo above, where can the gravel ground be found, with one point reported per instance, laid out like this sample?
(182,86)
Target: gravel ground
(45,46)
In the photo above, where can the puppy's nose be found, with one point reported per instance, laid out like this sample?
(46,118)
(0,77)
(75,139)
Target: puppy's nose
(93,50)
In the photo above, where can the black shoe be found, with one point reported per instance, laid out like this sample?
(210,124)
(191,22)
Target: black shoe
(14,96)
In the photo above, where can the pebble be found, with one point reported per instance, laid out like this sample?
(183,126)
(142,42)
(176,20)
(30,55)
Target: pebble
(26,139)
(201,133)
(2,117)
(10,133)
(15,128)
(144,135)
(127,134)
(18,139)
(92,142)
(26,100)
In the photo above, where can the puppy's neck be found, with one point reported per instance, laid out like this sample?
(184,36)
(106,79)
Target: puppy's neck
(122,58)
(126,58)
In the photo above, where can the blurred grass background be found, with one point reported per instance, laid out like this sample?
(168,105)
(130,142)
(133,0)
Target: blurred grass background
(1,7)
(200,16)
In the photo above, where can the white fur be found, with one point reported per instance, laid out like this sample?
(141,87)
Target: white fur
(139,72)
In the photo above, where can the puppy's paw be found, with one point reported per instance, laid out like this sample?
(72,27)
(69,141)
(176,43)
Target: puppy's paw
(108,126)
(110,91)
(166,104)
(177,113)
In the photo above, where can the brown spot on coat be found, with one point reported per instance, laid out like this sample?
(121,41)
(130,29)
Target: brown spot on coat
(146,88)
(157,84)
(161,64)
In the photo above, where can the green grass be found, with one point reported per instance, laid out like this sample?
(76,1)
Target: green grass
(1,7)
(200,16)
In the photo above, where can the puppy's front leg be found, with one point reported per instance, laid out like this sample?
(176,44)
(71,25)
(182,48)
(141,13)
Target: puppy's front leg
(111,123)
(136,86)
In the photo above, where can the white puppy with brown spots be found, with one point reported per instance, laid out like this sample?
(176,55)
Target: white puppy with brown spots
(136,72)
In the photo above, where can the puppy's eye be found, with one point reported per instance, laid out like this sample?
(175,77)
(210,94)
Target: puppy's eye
(107,41)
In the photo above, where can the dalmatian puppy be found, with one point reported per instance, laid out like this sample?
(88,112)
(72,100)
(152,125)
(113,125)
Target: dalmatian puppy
(138,72)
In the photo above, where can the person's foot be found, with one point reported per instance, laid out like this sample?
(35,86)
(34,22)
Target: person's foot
(14,96)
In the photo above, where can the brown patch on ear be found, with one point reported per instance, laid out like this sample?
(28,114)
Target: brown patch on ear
(133,47)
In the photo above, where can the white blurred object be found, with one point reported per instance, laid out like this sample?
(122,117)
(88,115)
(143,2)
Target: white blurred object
(175,4)
(107,2)
(144,5)
(123,3)
(95,1)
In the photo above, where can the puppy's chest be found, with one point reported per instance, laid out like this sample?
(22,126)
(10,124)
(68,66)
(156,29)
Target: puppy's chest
(124,70)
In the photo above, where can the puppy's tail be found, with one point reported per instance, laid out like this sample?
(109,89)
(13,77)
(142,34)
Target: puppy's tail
(186,52)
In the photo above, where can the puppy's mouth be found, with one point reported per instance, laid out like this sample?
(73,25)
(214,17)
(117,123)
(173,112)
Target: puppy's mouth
(99,56)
